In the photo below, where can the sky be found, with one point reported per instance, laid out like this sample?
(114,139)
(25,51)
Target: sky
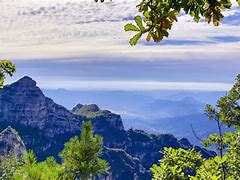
(76,44)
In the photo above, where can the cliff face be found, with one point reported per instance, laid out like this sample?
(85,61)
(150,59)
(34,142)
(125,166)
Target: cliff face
(39,121)
(108,124)
(25,103)
(11,142)
(124,166)
(45,126)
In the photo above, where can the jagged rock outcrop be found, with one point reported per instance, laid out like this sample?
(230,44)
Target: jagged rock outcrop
(11,142)
(108,124)
(85,109)
(124,166)
(45,126)
(92,111)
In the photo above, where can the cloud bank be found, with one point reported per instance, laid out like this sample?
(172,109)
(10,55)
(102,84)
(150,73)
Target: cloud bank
(62,28)
(85,41)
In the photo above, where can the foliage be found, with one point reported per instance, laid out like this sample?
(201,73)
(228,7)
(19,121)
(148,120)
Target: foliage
(224,166)
(8,165)
(229,109)
(211,169)
(26,167)
(158,16)
(29,158)
(31,170)
(6,68)
(81,156)
(177,164)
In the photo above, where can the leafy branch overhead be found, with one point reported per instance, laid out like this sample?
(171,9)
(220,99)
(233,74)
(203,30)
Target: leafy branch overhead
(6,68)
(159,16)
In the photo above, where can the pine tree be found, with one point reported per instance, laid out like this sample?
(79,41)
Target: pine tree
(81,156)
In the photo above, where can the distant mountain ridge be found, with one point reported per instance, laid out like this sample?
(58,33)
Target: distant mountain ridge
(153,111)
(118,99)
(170,108)
(45,126)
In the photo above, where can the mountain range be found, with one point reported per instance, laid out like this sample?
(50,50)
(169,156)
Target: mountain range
(159,111)
(45,126)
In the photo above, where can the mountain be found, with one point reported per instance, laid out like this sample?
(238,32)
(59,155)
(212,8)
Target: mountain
(45,126)
(10,141)
(180,126)
(86,110)
(204,97)
(123,165)
(170,108)
(153,111)
(121,101)
(128,101)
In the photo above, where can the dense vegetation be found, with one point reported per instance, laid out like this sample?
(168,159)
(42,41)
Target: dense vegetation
(188,164)
(81,158)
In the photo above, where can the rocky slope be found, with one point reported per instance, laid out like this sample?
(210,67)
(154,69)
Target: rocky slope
(123,165)
(11,142)
(45,126)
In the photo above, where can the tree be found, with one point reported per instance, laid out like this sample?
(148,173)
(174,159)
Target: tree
(27,167)
(6,68)
(226,165)
(158,16)
(48,169)
(12,165)
(175,166)
(81,156)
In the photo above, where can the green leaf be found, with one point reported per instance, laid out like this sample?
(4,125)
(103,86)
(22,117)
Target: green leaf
(134,39)
(173,15)
(219,160)
(138,20)
(146,13)
(238,2)
(131,27)
(149,36)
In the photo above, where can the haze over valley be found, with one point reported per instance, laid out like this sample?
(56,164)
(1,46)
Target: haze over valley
(162,111)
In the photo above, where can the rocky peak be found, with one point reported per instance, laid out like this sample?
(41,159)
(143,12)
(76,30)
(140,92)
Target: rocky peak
(85,109)
(22,88)
(77,108)
(23,102)
(25,82)
(10,141)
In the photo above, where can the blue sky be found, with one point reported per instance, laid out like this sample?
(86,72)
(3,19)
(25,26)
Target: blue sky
(76,44)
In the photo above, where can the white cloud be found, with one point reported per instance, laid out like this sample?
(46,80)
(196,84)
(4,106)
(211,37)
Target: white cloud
(46,29)
(73,32)
(131,85)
